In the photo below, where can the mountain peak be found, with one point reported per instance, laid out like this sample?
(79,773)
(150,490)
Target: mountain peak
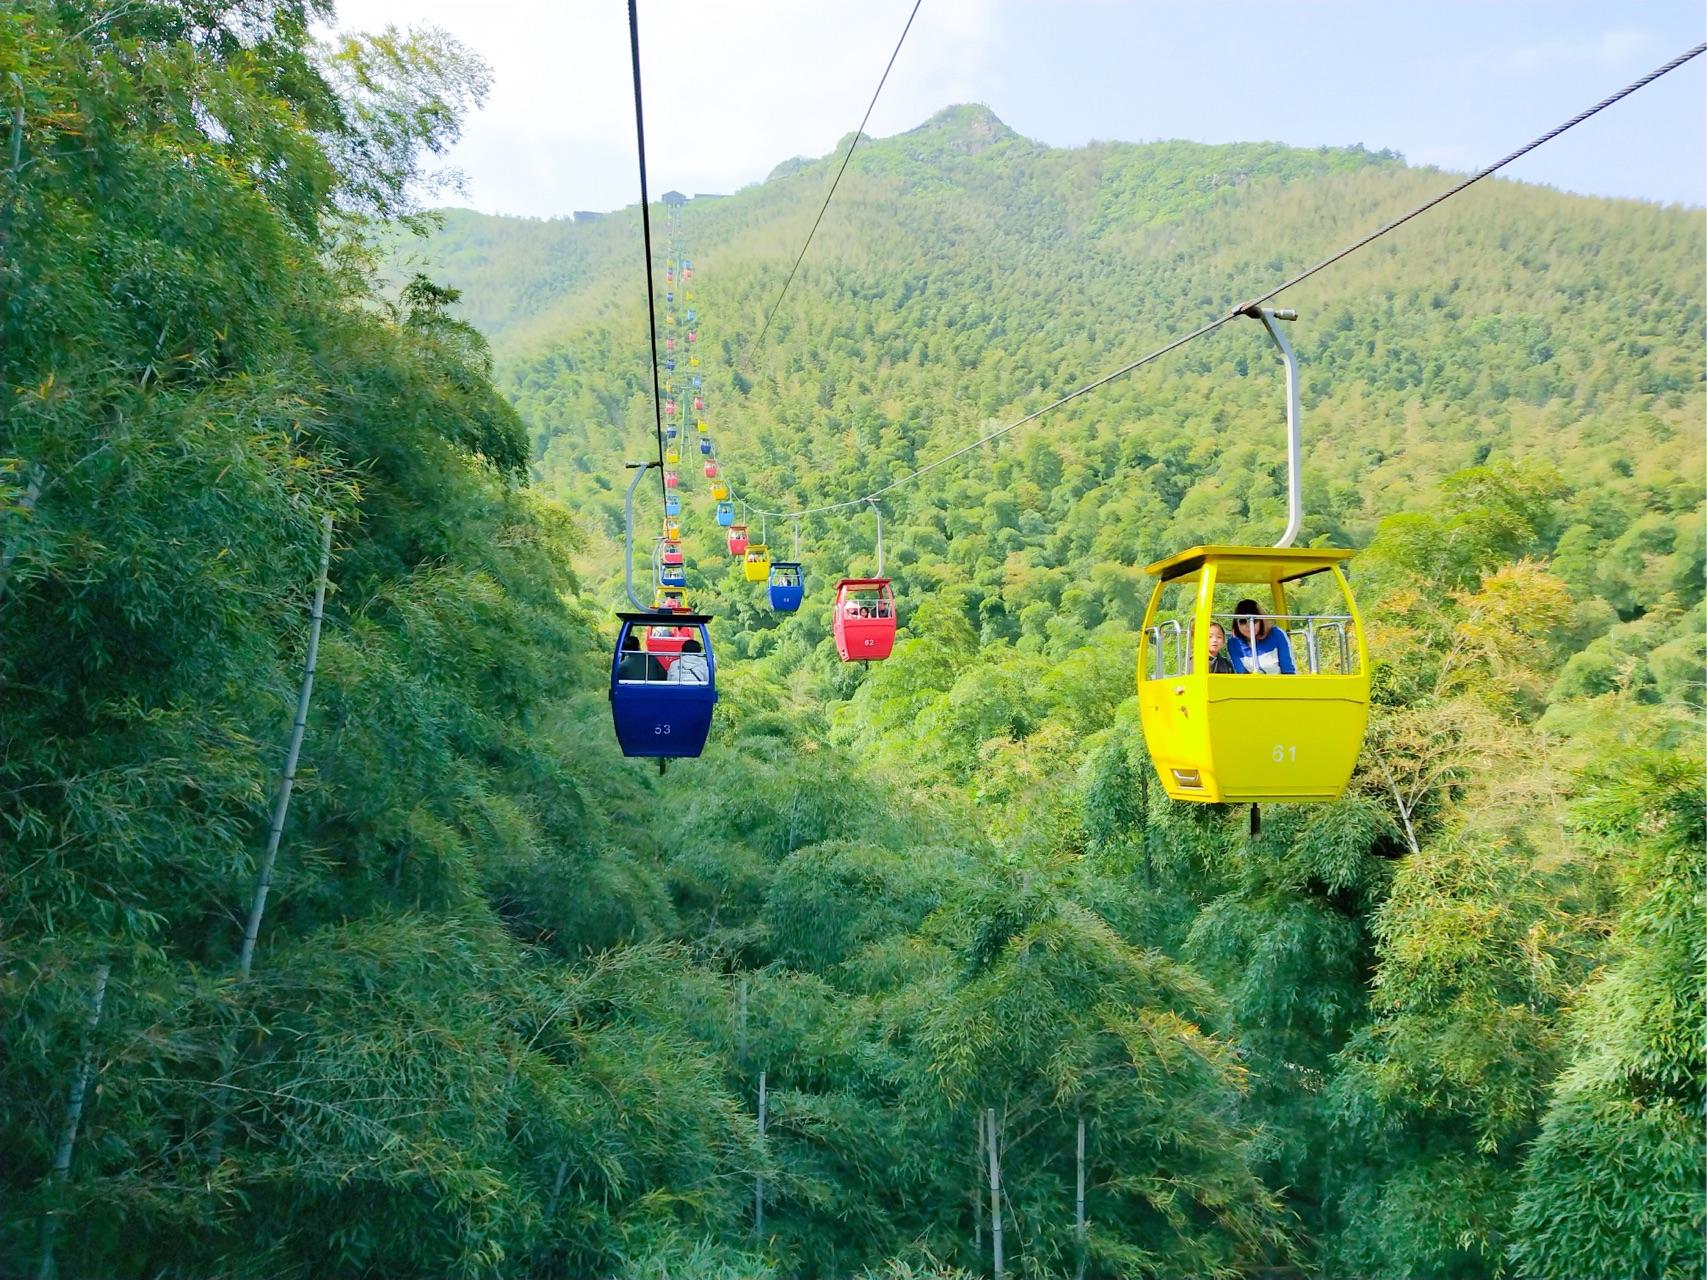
(966,126)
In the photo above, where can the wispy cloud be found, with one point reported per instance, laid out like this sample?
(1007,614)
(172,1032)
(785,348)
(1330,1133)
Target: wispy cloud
(1610,50)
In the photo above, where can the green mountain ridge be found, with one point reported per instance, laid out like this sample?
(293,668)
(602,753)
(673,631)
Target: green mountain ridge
(955,287)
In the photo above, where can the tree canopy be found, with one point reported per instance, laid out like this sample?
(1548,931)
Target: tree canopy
(511,1003)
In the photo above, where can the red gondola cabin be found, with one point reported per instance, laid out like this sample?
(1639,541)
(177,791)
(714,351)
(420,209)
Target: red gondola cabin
(865,619)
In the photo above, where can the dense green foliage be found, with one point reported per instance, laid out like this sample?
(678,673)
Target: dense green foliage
(514,997)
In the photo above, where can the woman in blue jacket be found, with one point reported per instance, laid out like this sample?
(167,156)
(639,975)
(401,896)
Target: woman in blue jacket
(1256,645)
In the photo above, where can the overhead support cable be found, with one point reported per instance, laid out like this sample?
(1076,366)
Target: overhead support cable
(852,143)
(646,229)
(1254,306)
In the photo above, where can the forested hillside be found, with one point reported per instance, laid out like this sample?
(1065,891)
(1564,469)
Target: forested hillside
(504,1004)
(1502,408)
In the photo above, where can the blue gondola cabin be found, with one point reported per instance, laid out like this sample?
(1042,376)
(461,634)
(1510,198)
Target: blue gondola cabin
(787,586)
(663,684)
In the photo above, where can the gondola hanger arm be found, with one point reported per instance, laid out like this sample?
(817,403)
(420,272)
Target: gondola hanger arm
(878,512)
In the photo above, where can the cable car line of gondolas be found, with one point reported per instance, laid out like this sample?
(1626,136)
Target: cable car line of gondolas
(663,672)
(1214,735)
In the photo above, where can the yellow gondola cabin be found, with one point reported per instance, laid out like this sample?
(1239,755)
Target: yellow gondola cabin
(1250,737)
(757,562)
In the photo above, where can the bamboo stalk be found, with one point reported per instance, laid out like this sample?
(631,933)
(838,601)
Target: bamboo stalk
(759,1178)
(264,873)
(557,1188)
(977,1194)
(27,505)
(741,1028)
(1403,808)
(17,134)
(1079,1209)
(264,877)
(73,1117)
(995,1195)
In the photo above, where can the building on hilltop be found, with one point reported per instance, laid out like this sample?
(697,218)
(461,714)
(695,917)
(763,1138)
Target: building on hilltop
(673,198)
(587,215)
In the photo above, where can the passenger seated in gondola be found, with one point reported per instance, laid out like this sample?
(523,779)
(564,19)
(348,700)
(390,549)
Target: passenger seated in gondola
(631,663)
(1256,645)
(691,667)
(635,666)
(1219,663)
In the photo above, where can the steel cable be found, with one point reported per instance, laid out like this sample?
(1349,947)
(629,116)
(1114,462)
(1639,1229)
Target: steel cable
(858,134)
(646,231)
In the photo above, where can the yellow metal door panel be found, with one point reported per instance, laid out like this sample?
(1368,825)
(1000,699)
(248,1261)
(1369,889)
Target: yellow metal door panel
(1176,731)
(1286,737)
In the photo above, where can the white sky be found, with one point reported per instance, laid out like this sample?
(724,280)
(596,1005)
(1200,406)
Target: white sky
(733,87)
(557,131)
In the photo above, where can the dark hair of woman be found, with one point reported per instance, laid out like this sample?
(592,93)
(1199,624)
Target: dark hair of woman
(1248,610)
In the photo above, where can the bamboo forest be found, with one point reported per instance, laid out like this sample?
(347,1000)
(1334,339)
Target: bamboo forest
(522,758)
